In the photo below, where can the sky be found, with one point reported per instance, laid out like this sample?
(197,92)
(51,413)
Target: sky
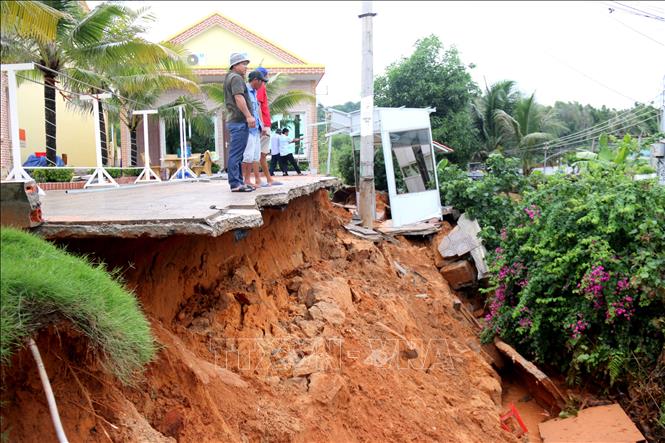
(562,51)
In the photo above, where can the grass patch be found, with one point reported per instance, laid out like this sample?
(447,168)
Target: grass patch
(42,284)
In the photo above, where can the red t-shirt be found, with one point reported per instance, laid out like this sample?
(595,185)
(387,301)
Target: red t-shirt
(262,97)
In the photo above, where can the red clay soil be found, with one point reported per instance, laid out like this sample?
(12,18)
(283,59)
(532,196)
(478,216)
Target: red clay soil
(297,332)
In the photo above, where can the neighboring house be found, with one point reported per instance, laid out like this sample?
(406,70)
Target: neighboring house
(210,42)
(75,129)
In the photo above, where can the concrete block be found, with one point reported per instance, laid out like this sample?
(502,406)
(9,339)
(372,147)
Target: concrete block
(459,274)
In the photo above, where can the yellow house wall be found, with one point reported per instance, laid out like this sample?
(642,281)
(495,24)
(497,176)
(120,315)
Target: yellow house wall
(217,44)
(75,130)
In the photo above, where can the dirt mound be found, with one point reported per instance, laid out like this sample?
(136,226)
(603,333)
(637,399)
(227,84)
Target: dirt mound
(296,331)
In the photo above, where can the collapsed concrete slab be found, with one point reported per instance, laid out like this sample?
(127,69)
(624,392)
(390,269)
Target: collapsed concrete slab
(464,239)
(165,209)
(597,424)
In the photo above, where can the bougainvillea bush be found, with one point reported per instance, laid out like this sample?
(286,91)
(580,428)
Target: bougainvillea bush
(579,276)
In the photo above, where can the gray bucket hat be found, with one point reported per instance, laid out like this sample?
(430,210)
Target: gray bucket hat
(237,57)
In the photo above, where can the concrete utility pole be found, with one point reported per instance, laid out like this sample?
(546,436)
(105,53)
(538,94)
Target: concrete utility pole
(366,204)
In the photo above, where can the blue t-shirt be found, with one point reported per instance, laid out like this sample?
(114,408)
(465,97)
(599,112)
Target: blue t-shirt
(254,109)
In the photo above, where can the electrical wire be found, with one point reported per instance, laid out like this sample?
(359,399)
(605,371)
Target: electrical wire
(580,141)
(638,12)
(627,123)
(141,105)
(609,88)
(543,146)
(639,32)
(619,118)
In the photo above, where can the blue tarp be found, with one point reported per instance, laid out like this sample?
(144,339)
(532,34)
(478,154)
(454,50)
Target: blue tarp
(33,160)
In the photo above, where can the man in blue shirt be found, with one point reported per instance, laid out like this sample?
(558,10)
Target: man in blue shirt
(252,154)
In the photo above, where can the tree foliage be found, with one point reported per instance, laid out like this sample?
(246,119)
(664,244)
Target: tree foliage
(433,77)
(579,280)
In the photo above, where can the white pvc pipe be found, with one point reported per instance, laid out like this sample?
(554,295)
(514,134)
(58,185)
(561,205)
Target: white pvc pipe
(50,398)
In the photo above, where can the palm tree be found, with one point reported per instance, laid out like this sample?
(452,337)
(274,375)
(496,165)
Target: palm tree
(82,38)
(77,33)
(29,19)
(139,87)
(138,76)
(492,113)
(532,125)
(279,102)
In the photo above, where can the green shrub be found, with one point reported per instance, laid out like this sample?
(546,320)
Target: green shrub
(579,275)
(50,175)
(41,283)
(131,172)
(114,172)
(490,199)
(215,168)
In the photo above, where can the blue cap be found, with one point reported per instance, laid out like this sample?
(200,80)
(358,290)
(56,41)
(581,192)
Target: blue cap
(263,71)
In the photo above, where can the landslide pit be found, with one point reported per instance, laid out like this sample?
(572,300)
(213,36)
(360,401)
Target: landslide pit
(296,331)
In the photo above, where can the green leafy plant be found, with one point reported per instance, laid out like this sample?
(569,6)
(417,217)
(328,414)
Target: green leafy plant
(131,172)
(50,175)
(489,199)
(579,275)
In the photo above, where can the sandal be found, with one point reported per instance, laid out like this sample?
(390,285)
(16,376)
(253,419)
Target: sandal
(243,189)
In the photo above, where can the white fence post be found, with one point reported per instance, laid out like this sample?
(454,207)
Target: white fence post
(17,173)
(147,175)
(100,174)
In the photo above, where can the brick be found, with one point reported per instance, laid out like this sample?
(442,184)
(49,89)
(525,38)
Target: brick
(459,274)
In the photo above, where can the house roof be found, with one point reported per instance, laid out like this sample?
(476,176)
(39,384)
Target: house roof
(441,147)
(217,19)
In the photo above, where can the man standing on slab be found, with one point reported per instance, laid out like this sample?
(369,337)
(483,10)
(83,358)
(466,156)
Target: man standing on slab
(239,120)
(262,96)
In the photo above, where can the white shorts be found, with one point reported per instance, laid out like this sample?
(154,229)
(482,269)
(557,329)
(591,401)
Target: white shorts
(253,149)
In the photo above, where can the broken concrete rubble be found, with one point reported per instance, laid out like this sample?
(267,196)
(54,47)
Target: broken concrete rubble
(327,311)
(592,425)
(459,274)
(463,239)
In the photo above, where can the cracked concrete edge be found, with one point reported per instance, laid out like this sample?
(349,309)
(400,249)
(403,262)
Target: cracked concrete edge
(224,221)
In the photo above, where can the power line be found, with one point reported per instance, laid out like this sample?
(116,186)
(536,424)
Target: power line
(591,78)
(639,32)
(584,135)
(557,144)
(585,139)
(141,105)
(623,116)
(638,12)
